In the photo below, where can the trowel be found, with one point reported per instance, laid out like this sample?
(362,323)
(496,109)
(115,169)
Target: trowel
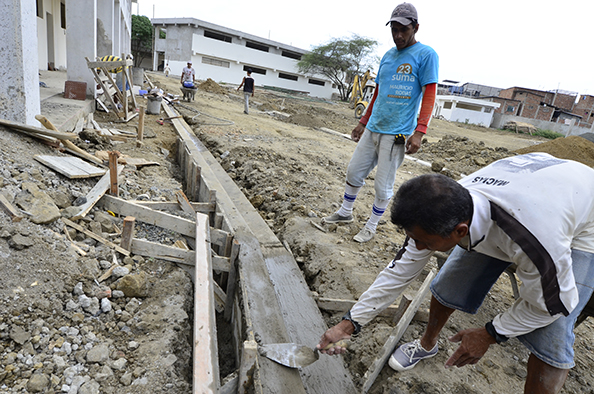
(294,355)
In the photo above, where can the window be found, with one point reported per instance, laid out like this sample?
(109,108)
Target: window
(316,82)
(288,76)
(510,108)
(215,62)
(255,70)
(447,105)
(40,9)
(488,110)
(469,107)
(163,34)
(292,55)
(63,15)
(217,36)
(257,46)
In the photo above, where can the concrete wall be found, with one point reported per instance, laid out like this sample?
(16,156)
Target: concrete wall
(499,121)
(19,79)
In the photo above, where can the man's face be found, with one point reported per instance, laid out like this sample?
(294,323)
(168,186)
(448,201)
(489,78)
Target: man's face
(189,65)
(403,35)
(423,240)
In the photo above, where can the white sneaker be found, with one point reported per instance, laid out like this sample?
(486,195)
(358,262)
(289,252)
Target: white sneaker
(364,235)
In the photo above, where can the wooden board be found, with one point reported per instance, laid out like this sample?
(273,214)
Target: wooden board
(205,363)
(95,236)
(38,130)
(376,367)
(71,167)
(95,194)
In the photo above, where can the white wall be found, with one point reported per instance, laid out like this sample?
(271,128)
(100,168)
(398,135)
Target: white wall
(481,113)
(59,42)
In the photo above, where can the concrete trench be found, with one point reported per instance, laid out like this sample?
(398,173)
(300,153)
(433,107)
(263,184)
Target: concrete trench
(271,301)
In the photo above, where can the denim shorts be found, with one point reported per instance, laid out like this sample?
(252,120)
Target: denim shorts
(466,278)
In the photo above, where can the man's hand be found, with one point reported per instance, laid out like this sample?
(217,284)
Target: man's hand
(342,330)
(413,143)
(474,343)
(357,132)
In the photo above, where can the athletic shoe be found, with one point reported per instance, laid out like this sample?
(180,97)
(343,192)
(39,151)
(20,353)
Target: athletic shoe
(336,218)
(409,354)
(364,235)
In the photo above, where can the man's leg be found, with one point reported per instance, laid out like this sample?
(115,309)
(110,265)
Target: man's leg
(543,378)
(246,99)
(438,317)
(362,162)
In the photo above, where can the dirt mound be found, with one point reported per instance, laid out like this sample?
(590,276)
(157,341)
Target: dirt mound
(456,155)
(570,148)
(212,87)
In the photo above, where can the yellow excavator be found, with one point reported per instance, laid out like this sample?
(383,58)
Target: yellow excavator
(362,92)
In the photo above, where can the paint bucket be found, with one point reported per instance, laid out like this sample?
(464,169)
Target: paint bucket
(153,105)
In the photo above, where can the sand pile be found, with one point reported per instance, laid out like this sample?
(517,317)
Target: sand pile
(571,148)
(211,86)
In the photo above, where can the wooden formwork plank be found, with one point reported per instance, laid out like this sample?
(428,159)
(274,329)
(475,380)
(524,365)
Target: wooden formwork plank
(376,367)
(205,358)
(96,193)
(147,215)
(249,357)
(175,254)
(231,280)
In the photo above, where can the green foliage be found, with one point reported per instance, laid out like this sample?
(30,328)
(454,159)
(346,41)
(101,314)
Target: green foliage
(142,38)
(340,60)
(548,134)
(162,34)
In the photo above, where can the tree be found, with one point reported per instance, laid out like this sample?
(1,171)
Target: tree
(142,38)
(340,60)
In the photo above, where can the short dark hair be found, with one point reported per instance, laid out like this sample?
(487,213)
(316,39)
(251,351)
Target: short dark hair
(249,70)
(434,202)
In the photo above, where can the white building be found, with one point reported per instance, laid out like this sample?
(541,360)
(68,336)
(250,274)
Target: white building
(55,34)
(465,110)
(224,55)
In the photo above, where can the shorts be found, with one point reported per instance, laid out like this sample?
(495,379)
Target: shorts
(466,278)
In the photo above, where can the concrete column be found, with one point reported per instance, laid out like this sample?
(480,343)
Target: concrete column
(117,27)
(105,28)
(19,79)
(81,40)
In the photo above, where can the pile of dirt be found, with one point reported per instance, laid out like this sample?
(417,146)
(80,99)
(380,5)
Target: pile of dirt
(456,156)
(571,148)
(212,87)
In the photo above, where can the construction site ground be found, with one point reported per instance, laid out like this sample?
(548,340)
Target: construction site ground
(290,161)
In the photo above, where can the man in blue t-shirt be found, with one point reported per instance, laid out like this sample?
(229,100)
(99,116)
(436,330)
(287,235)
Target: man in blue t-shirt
(406,79)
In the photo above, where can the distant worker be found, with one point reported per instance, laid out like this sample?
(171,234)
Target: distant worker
(167,70)
(248,89)
(188,77)
(407,73)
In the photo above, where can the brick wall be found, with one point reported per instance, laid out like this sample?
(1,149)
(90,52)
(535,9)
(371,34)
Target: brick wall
(585,108)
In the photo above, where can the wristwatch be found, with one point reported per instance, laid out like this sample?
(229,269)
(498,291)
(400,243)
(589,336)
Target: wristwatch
(357,326)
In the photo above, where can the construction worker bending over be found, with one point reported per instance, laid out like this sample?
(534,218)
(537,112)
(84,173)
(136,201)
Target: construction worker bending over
(533,210)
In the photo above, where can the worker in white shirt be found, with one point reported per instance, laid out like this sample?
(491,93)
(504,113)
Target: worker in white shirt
(533,210)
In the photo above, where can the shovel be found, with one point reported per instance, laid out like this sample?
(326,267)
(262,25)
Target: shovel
(293,355)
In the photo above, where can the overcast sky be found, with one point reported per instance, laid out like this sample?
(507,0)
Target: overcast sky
(537,44)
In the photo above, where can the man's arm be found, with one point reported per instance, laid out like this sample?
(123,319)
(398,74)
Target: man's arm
(241,84)
(413,143)
(386,288)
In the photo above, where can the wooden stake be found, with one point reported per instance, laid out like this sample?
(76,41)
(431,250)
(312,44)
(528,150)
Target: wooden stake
(128,233)
(375,368)
(231,280)
(113,173)
(140,127)
(249,355)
